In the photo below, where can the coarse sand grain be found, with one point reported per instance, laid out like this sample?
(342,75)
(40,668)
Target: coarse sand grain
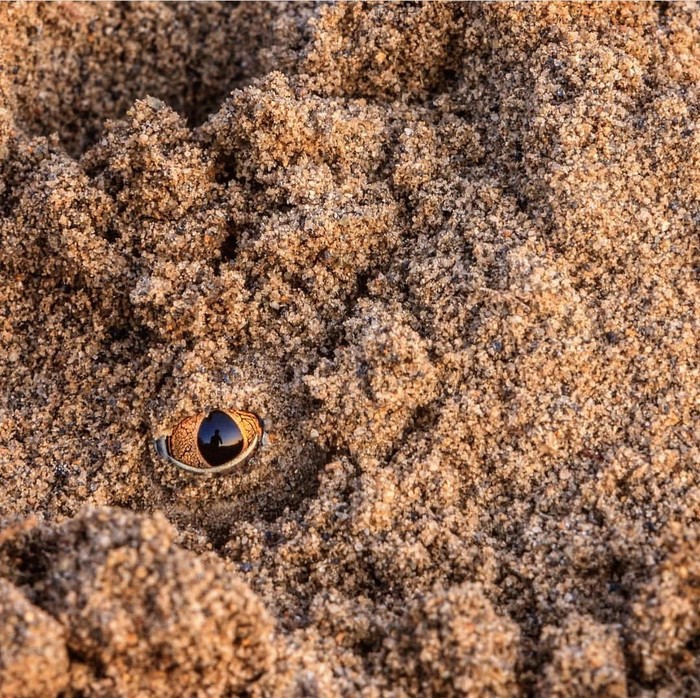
(448,252)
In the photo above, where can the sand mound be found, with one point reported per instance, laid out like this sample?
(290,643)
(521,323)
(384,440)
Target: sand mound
(449,252)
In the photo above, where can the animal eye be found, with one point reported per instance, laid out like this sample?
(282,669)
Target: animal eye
(212,442)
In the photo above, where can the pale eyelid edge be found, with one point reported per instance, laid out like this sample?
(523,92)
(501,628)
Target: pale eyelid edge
(161,446)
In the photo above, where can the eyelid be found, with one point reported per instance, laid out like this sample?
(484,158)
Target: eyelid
(226,467)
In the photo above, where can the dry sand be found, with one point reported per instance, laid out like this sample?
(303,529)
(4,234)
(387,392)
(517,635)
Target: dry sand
(448,251)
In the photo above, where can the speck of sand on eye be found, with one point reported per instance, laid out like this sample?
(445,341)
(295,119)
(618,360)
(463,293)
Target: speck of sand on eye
(447,251)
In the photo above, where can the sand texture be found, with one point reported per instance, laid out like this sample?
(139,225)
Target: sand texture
(449,252)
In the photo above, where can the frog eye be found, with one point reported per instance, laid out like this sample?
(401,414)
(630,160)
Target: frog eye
(212,442)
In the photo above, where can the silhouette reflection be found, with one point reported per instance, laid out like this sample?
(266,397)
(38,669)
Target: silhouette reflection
(219,439)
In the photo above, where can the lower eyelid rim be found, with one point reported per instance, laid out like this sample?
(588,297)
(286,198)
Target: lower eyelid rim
(161,443)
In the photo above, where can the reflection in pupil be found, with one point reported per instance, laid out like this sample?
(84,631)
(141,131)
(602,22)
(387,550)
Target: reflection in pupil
(219,439)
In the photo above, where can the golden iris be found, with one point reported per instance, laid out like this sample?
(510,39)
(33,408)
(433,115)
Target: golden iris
(215,441)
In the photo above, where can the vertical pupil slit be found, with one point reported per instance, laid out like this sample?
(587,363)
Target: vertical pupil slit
(219,439)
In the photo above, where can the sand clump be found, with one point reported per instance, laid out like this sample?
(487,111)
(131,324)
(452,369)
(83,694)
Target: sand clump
(586,659)
(33,654)
(455,644)
(447,251)
(142,614)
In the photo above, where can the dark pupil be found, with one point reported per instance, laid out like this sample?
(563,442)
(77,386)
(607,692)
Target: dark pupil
(219,439)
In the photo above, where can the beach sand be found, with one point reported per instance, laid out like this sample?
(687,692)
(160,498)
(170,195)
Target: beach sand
(449,252)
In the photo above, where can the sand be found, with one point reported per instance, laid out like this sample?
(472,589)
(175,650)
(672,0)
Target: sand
(449,252)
